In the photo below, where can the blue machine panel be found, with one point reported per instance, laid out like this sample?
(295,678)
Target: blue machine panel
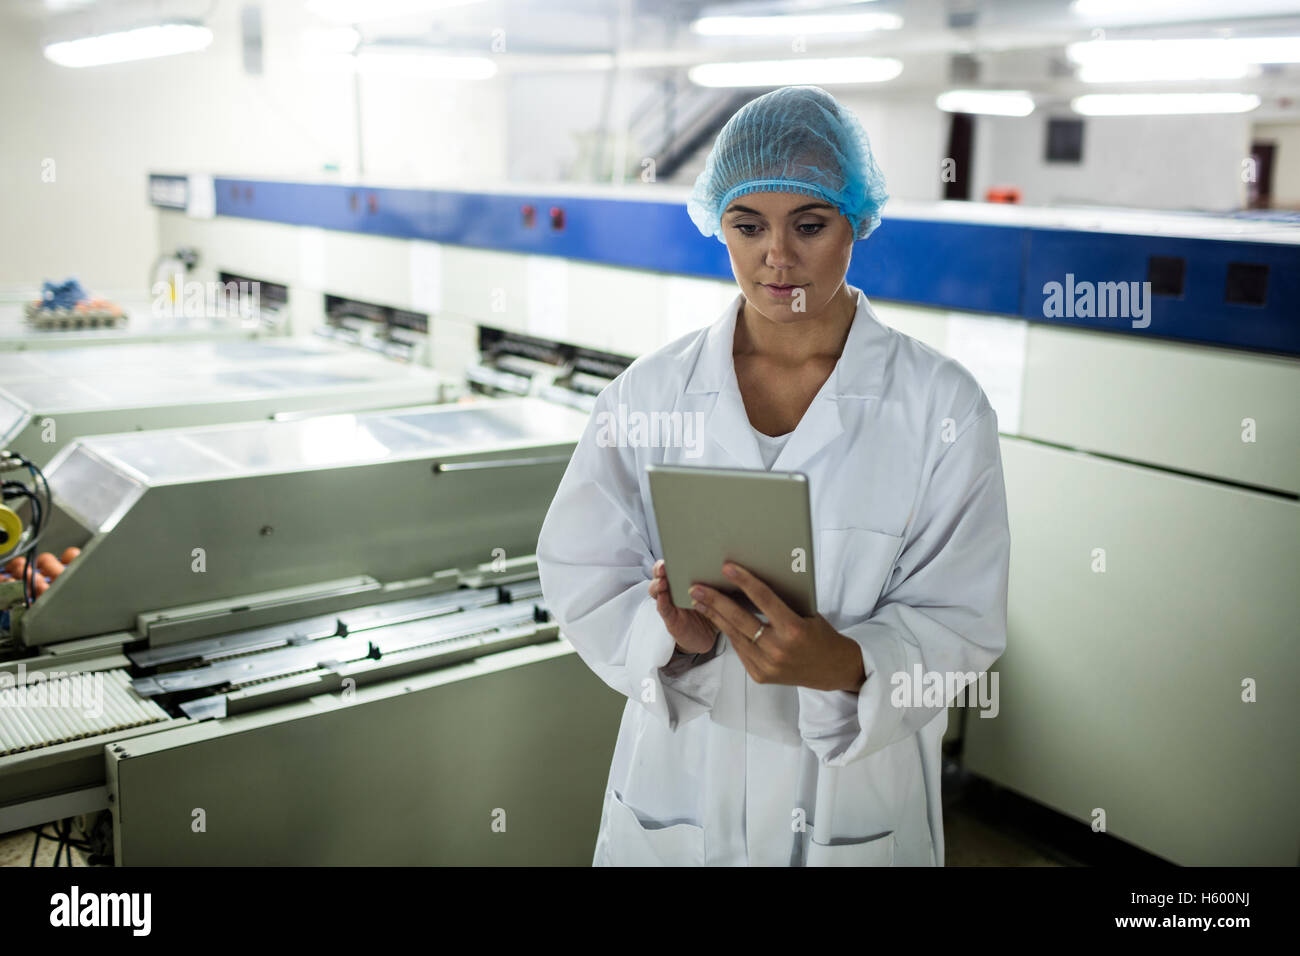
(1239,294)
(619,232)
(956,265)
(1202,313)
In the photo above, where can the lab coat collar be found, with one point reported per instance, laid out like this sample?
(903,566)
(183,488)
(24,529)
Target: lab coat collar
(858,375)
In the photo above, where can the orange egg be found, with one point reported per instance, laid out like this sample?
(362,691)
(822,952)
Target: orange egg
(49,565)
(16,566)
(40,586)
(69,554)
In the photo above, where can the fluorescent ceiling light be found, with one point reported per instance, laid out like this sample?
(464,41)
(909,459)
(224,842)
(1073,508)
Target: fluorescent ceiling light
(164,39)
(1228,58)
(1162,104)
(360,11)
(796,25)
(412,63)
(991,102)
(797,71)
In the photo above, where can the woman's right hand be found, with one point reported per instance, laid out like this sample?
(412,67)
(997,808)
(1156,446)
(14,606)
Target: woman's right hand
(691,630)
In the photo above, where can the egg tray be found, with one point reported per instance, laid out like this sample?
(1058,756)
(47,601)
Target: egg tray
(61,320)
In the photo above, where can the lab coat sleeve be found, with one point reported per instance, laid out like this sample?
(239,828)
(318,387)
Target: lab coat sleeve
(945,608)
(595,562)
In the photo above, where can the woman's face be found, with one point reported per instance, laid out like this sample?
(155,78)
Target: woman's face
(789,252)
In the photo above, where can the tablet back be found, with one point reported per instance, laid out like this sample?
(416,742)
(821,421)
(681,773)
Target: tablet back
(759,519)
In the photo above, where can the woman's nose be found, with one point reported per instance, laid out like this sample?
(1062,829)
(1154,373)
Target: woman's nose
(778,254)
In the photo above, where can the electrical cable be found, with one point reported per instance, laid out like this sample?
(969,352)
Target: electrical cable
(41,513)
(63,837)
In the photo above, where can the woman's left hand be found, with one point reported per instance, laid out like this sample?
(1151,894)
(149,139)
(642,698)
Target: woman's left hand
(804,651)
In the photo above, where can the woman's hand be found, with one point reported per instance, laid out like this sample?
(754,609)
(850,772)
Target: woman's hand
(692,632)
(804,651)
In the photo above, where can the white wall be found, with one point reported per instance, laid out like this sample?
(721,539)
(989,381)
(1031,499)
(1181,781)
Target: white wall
(107,127)
(553,123)
(1154,162)
(909,137)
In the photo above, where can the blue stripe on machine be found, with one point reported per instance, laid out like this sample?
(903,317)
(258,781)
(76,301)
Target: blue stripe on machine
(999,269)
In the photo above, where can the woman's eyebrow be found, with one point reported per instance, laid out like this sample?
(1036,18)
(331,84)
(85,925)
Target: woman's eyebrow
(736,207)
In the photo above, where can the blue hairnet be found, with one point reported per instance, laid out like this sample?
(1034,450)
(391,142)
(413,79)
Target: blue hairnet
(796,139)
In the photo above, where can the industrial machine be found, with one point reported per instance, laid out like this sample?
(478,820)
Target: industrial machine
(515,364)
(1150,452)
(141,321)
(51,397)
(317,641)
(137,359)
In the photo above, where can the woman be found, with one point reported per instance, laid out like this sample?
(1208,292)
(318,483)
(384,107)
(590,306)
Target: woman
(781,741)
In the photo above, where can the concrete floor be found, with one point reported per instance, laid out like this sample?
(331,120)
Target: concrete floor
(16,850)
(969,841)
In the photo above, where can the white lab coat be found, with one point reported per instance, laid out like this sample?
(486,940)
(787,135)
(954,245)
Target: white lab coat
(911,550)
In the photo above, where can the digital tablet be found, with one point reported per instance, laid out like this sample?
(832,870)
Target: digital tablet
(759,519)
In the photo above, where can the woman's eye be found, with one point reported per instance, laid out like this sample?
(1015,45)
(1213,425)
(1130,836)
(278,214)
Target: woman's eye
(747,228)
(811,228)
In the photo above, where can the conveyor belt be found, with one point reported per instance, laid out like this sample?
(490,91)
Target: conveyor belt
(240,642)
(415,634)
(298,658)
(522,590)
(323,626)
(444,651)
(307,645)
(63,711)
(382,615)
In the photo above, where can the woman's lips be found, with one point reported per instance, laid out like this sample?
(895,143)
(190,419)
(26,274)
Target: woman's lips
(780,291)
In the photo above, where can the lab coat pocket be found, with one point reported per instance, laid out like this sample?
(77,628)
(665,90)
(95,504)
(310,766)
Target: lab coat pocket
(877,850)
(853,569)
(634,842)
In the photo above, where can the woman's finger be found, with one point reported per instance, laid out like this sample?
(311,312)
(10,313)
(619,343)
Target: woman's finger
(750,655)
(672,615)
(764,598)
(730,618)
(728,610)
(665,604)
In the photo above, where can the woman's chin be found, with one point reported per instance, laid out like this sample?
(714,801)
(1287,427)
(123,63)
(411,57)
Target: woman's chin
(776,311)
